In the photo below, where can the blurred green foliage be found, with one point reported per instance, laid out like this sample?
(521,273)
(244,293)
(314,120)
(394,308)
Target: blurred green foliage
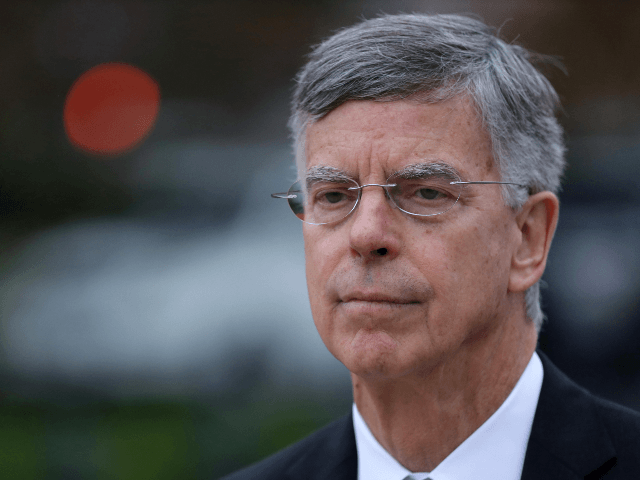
(22,443)
(152,438)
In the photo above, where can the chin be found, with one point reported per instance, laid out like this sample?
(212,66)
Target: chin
(373,355)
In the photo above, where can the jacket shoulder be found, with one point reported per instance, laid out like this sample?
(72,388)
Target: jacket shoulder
(576,434)
(330,444)
(623,426)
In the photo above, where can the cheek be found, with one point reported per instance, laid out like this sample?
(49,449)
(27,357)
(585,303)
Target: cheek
(459,263)
(311,268)
(321,258)
(478,264)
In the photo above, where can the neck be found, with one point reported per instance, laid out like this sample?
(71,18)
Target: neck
(422,417)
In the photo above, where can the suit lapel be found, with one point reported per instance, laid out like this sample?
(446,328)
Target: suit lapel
(567,440)
(335,457)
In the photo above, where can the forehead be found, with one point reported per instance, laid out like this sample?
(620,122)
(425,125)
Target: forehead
(366,138)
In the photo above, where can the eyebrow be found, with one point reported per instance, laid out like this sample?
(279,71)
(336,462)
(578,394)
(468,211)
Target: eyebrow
(430,169)
(323,173)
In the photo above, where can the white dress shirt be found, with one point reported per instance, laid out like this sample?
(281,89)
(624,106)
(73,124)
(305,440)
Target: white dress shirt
(495,450)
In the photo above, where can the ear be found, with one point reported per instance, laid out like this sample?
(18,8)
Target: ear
(536,222)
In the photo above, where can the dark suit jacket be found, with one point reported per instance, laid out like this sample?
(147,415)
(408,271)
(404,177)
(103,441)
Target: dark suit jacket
(575,435)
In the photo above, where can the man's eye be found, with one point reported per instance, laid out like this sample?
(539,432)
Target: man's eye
(334,197)
(429,193)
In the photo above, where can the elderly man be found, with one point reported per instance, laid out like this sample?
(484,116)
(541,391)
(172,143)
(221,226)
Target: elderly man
(429,156)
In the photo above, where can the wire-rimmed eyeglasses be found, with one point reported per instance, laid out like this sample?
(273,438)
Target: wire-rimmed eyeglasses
(329,201)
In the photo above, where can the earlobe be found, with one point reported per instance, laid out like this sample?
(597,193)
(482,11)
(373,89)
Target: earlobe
(537,222)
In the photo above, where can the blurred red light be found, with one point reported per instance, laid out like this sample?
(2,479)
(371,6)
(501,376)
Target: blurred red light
(111,108)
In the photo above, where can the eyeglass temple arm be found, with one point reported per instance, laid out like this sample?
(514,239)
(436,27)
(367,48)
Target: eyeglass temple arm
(488,182)
(285,195)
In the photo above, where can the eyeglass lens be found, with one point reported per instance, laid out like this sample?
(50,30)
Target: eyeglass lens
(325,202)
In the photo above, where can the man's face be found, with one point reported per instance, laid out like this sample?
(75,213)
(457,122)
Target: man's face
(391,293)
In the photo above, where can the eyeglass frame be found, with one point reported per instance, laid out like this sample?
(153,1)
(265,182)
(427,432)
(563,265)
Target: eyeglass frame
(286,195)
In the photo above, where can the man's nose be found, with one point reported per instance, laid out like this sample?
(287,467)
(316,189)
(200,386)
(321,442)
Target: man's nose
(373,230)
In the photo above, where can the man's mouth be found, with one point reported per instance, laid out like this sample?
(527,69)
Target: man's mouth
(379,298)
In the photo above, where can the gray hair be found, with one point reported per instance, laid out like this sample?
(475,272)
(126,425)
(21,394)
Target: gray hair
(433,58)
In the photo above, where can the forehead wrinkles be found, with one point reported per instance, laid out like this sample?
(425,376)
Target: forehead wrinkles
(370,138)
(367,127)
(373,152)
(345,157)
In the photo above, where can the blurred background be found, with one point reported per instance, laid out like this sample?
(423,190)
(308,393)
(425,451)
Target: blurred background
(154,321)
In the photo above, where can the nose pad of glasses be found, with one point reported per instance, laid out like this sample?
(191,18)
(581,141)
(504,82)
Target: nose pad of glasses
(385,189)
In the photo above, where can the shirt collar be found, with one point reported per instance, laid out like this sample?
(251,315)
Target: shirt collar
(495,450)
